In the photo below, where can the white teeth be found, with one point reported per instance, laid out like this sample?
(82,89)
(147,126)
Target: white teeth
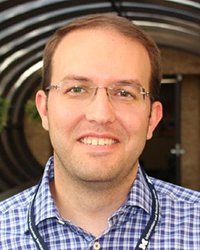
(102,141)
(97,141)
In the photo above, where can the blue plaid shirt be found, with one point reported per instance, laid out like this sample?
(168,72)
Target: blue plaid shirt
(178,226)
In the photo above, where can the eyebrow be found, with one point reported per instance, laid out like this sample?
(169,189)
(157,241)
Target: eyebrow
(88,80)
(129,82)
(76,78)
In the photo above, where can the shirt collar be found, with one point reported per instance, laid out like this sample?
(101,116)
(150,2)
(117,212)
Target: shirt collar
(44,206)
(140,195)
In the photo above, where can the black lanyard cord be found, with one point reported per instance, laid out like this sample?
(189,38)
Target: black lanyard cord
(150,227)
(31,224)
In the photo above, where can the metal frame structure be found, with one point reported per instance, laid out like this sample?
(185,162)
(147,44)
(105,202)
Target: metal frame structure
(25,27)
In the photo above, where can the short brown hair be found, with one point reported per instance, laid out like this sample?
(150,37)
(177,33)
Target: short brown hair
(121,25)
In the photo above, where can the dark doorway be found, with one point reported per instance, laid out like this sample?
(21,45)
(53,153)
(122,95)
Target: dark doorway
(161,157)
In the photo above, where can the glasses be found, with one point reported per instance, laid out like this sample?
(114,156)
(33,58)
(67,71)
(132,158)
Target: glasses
(131,94)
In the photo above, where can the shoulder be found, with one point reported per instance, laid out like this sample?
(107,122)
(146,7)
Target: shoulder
(179,213)
(13,214)
(176,194)
(17,203)
(13,220)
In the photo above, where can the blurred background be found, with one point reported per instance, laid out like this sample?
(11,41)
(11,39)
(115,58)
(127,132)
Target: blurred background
(174,152)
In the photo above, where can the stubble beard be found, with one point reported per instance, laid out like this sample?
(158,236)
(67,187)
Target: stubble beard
(91,176)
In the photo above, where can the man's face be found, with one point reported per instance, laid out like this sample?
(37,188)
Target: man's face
(98,142)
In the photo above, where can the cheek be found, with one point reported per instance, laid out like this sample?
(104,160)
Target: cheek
(135,123)
(136,127)
(63,117)
(62,126)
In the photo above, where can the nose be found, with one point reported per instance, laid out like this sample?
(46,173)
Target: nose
(100,108)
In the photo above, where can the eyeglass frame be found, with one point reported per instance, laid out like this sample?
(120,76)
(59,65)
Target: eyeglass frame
(142,90)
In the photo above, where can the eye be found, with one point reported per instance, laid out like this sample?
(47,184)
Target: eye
(124,94)
(75,90)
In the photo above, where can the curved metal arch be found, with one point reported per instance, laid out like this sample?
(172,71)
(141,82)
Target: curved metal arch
(26,25)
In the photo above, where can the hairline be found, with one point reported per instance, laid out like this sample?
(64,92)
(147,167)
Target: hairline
(137,35)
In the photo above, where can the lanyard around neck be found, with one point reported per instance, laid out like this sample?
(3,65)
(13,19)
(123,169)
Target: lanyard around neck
(31,224)
(143,241)
(150,227)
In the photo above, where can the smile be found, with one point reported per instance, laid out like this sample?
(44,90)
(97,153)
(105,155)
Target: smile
(95,141)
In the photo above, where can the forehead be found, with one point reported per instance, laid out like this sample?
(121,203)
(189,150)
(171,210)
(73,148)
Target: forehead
(104,52)
(95,35)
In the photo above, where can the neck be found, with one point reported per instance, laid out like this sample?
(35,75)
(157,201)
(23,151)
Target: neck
(89,205)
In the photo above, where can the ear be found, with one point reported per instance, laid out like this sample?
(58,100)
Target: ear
(41,104)
(155,117)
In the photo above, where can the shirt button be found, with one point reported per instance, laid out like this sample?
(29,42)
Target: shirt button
(96,245)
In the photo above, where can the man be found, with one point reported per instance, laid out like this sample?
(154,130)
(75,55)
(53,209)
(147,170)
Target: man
(100,104)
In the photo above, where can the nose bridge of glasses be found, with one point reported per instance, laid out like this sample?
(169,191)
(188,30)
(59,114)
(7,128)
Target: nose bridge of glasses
(101,88)
(101,94)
